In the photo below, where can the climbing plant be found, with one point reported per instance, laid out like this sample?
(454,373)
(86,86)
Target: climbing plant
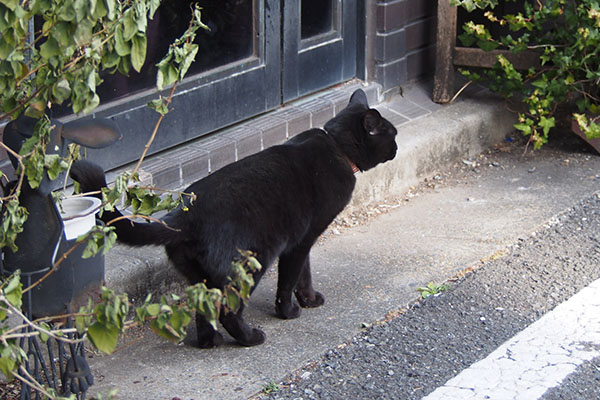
(566,35)
(54,52)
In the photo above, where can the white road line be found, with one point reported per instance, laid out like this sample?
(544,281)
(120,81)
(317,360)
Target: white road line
(537,358)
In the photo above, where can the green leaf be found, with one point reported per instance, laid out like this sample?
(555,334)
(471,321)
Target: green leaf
(10,4)
(50,48)
(82,9)
(104,338)
(14,291)
(91,248)
(140,16)
(63,33)
(109,241)
(153,7)
(61,91)
(12,223)
(487,45)
(92,104)
(43,336)
(466,39)
(110,59)
(153,309)
(82,321)
(254,264)
(130,27)
(54,165)
(122,47)
(233,299)
(138,52)
(111,7)
(100,10)
(468,5)
(7,366)
(83,33)
(7,46)
(525,128)
(547,124)
(190,55)
(159,106)
(166,76)
(179,320)
(67,12)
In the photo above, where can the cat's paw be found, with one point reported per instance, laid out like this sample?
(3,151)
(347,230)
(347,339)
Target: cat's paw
(256,337)
(288,310)
(207,341)
(314,299)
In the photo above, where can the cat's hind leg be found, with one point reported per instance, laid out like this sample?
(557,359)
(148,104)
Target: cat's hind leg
(207,335)
(307,296)
(235,325)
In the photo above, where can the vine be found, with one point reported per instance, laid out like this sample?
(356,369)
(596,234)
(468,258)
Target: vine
(59,63)
(566,35)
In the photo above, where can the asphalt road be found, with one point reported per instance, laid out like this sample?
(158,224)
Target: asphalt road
(414,353)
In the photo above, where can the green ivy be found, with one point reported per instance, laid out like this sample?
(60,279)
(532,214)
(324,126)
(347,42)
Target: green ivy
(566,34)
(106,320)
(60,64)
(78,39)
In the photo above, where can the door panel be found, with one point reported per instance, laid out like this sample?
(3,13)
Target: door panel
(256,57)
(319,45)
(236,75)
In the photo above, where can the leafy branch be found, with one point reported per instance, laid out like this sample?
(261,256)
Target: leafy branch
(567,36)
(102,323)
(73,41)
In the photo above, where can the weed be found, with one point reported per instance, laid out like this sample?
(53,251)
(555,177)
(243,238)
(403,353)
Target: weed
(432,289)
(270,388)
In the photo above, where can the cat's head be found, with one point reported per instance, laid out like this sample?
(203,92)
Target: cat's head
(362,133)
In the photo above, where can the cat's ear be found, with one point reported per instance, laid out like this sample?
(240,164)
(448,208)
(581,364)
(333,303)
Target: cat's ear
(359,97)
(371,120)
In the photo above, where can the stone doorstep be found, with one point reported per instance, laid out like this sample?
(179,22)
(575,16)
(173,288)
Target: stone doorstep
(178,167)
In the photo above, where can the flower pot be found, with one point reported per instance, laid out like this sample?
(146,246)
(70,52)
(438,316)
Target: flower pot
(78,215)
(595,143)
(44,240)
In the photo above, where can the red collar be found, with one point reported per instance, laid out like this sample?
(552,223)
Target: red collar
(355,169)
(352,165)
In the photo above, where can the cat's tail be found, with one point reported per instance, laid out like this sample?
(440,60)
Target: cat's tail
(91,178)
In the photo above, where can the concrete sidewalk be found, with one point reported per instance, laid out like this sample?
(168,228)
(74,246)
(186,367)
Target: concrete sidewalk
(365,266)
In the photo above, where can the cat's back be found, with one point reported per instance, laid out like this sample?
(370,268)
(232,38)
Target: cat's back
(274,164)
(297,167)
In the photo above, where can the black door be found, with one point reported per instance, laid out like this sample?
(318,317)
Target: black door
(319,45)
(236,75)
(239,72)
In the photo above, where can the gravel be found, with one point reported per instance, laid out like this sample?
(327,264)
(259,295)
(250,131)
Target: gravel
(421,348)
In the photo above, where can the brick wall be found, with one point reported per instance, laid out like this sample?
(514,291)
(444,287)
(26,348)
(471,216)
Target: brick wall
(404,41)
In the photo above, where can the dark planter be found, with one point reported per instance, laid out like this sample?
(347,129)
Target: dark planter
(595,143)
(42,243)
(43,239)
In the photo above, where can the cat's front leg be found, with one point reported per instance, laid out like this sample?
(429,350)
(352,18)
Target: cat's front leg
(306,295)
(290,267)
(207,335)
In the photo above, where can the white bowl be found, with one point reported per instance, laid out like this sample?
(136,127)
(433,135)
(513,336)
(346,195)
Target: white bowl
(79,215)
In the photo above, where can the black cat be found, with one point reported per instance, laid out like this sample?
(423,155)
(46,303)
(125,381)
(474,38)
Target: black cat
(275,203)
